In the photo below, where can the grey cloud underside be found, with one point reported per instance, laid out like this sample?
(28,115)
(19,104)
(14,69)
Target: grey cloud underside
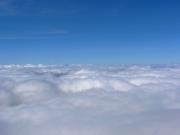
(89,99)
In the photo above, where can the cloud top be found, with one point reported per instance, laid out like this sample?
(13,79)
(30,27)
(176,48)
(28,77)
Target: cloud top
(89,99)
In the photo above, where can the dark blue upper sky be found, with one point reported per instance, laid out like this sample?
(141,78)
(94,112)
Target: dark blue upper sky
(89,31)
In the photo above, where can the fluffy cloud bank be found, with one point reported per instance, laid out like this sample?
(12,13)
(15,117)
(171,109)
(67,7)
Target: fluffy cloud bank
(89,99)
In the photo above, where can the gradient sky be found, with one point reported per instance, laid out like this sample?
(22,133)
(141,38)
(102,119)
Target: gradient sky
(89,31)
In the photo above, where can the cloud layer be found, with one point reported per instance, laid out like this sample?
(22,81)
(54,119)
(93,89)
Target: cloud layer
(89,99)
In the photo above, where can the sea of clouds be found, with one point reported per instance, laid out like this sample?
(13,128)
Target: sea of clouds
(90,99)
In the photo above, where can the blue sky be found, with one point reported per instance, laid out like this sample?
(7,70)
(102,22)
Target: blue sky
(89,31)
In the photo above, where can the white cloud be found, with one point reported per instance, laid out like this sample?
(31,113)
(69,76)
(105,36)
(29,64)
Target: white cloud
(78,100)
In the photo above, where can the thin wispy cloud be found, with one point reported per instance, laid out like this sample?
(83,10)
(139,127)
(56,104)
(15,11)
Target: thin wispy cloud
(32,35)
(36,8)
(12,7)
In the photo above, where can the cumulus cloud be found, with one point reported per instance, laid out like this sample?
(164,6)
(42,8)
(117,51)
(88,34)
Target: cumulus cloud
(34,91)
(89,99)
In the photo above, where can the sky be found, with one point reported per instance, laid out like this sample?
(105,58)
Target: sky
(89,31)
